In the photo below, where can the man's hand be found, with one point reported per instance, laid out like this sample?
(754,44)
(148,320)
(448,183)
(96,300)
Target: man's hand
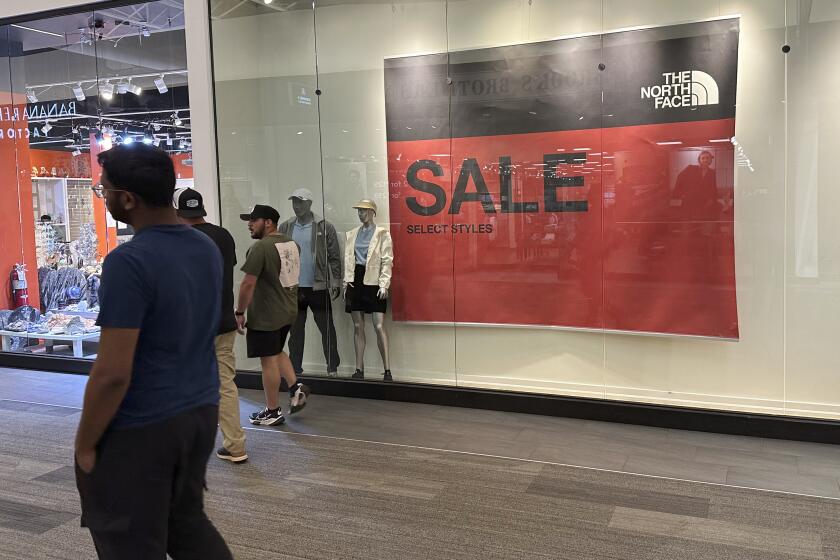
(335,293)
(383,293)
(86,459)
(246,294)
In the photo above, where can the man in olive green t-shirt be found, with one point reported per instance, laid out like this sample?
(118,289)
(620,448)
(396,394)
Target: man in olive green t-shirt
(269,292)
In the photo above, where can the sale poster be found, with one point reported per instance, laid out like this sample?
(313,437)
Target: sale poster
(583,182)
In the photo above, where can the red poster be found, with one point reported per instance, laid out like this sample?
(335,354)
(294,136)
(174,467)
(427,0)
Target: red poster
(583,183)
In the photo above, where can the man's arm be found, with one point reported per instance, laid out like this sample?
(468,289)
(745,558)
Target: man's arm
(107,384)
(246,294)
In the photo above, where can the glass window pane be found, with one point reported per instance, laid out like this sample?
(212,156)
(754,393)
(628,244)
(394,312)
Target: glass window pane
(267,124)
(384,128)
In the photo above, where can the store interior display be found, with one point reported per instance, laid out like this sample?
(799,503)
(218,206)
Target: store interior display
(78,84)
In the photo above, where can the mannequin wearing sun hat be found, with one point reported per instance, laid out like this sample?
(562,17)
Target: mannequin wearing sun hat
(368,260)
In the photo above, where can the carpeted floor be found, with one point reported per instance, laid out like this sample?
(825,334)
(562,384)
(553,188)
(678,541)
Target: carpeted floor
(306,496)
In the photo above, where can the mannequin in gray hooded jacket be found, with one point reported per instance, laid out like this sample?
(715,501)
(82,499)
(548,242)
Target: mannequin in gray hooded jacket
(320,278)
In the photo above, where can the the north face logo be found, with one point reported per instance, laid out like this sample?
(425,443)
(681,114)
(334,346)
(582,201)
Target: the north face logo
(688,88)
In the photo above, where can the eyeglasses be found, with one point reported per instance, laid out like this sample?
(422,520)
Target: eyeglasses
(100,190)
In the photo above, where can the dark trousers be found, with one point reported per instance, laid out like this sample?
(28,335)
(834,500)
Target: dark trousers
(144,498)
(319,302)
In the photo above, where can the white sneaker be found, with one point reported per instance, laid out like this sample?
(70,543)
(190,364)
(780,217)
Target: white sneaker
(299,398)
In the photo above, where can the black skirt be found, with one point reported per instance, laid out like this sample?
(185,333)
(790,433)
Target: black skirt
(363,298)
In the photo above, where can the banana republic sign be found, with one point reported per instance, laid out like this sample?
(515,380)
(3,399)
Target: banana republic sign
(560,183)
(14,119)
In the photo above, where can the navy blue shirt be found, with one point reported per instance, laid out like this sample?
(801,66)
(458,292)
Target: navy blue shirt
(166,282)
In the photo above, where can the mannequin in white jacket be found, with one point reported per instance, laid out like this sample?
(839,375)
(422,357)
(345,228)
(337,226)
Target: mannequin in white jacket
(368,260)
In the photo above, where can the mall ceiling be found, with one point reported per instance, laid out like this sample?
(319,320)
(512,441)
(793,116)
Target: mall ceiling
(76,57)
(139,42)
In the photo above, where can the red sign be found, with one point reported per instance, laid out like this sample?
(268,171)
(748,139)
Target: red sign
(511,208)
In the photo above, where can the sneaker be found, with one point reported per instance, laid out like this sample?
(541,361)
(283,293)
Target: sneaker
(226,455)
(299,398)
(387,376)
(267,417)
(332,374)
(358,375)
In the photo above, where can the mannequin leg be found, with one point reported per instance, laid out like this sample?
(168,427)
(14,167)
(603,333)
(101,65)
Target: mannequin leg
(382,338)
(359,331)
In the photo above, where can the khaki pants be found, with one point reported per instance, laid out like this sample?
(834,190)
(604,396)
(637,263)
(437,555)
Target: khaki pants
(233,436)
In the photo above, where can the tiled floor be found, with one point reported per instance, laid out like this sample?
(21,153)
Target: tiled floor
(796,467)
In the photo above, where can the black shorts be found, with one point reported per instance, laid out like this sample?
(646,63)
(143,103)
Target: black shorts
(262,344)
(363,298)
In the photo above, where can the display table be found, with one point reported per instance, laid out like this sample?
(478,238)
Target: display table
(74,340)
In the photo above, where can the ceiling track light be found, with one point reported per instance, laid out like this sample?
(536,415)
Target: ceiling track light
(46,128)
(106,90)
(79,92)
(144,31)
(161,85)
(30,95)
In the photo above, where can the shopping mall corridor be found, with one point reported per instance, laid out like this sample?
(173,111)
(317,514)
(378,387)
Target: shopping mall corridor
(351,478)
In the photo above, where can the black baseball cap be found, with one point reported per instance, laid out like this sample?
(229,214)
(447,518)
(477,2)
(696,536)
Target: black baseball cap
(261,211)
(189,203)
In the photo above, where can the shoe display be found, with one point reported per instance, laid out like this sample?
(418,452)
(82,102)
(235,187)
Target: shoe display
(358,375)
(267,417)
(299,398)
(225,455)
(387,376)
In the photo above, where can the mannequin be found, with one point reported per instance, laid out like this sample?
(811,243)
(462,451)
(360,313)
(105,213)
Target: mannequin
(368,260)
(320,278)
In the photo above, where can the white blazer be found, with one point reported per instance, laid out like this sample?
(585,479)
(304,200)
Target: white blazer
(380,258)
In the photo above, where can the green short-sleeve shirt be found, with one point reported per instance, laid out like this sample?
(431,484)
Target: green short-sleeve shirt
(275,261)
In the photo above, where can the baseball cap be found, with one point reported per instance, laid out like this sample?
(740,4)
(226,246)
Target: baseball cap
(367,204)
(189,203)
(262,211)
(303,194)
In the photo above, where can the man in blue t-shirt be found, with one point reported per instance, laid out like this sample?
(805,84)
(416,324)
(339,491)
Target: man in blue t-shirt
(151,404)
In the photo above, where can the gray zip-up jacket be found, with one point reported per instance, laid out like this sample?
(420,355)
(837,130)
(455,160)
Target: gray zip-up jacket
(327,252)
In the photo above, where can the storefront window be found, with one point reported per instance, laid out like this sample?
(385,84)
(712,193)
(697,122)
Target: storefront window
(79,84)
(624,200)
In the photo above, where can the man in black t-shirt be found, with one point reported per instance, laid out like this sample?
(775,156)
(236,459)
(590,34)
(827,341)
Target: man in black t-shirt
(190,207)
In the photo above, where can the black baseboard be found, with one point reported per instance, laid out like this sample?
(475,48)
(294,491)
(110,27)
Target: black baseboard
(56,364)
(660,416)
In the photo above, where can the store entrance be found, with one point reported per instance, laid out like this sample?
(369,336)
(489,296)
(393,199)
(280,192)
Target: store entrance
(70,87)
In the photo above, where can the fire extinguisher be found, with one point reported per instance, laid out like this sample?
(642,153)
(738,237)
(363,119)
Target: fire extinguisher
(20,293)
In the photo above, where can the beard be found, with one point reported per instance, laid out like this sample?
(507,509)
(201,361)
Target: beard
(118,212)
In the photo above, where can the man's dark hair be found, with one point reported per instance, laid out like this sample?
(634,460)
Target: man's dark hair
(144,170)
(46,218)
